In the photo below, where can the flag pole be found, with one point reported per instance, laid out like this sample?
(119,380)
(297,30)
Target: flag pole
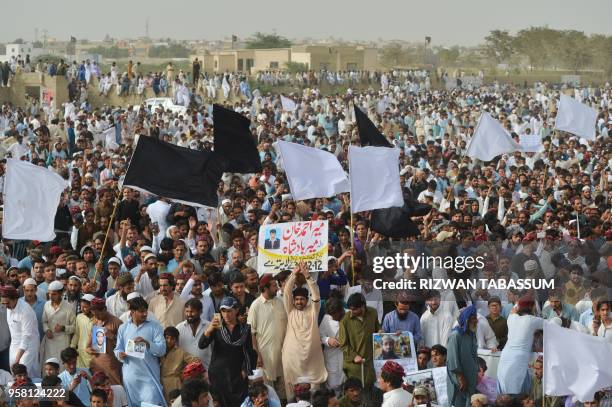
(352,242)
(110,224)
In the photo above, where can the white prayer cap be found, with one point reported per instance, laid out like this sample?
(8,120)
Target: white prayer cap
(52,360)
(56,286)
(75,278)
(302,380)
(133,295)
(226,202)
(146,249)
(87,297)
(286,197)
(257,374)
(150,256)
(29,281)
(114,260)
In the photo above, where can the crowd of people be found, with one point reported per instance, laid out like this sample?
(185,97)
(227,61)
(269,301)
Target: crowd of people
(187,319)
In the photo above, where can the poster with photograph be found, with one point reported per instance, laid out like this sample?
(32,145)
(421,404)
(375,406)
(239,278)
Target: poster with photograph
(434,380)
(136,350)
(390,346)
(98,339)
(281,246)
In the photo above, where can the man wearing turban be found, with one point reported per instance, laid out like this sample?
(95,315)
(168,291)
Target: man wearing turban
(462,359)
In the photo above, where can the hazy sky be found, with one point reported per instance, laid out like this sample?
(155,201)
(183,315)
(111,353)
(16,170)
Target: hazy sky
(448,22)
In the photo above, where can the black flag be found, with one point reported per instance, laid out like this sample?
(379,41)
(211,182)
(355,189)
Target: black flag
(177,173)
(397,222)
(368,133)
(234,141)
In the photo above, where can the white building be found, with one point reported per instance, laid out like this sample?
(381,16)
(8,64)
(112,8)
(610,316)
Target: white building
(14,50)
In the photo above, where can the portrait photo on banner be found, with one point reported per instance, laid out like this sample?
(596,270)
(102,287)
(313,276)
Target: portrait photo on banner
(432,380)
(98,339)
(281,246)
(392,346)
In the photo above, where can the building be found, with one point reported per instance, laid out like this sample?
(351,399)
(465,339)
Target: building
(15,50)
(336,58)
(316,57)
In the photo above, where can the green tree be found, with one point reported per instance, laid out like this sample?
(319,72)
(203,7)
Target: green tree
(37,44)
(18,41)
(393,55)
(295,67)
(448,56)
(262,41)
(538,44)
(499,46)
(110,52)
(601,49)
(574,50)
(173,50)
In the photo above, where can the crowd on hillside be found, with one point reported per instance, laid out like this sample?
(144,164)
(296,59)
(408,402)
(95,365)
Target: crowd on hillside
(187,319)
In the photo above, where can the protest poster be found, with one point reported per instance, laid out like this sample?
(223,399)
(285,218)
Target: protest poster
(281,246)
(391,346)
(432,379)
(531,143)
(492,360)
(98,339)
(136,350)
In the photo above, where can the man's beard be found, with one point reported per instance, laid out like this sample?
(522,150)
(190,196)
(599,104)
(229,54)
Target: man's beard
(193,320)
(402,317)
(72,296)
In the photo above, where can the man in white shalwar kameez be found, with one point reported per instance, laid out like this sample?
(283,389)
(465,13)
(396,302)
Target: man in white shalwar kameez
(436,323)
(332,352)
(58,323)
(23,327)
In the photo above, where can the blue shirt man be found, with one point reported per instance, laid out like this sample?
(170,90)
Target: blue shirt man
(402,319)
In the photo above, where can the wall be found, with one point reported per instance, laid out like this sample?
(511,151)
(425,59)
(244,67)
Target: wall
(301,57)
(370,59)
(264,57)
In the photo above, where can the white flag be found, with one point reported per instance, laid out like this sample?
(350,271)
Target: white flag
(490,140)
(312,173)
(31,197)
(374,176)
(575,363)
(576,118)
(108,136)
(288,104)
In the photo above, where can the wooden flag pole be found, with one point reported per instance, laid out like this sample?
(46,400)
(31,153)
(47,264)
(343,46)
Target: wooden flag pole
(110,224)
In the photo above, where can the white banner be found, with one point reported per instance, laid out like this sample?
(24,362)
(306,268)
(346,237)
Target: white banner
(281,246)
(531,143)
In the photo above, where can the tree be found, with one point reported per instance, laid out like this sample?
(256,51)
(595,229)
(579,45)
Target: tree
(574,50)
(393,55)
(296,67)
(601,49)
(448,56)
(37,44)
(110,52)
(538,44)
(262,41)
(173,50)
(499,46)
(18,41)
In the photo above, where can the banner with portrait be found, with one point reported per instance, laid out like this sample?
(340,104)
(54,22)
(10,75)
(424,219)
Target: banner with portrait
(281,246)
(434,380)
(399,348)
